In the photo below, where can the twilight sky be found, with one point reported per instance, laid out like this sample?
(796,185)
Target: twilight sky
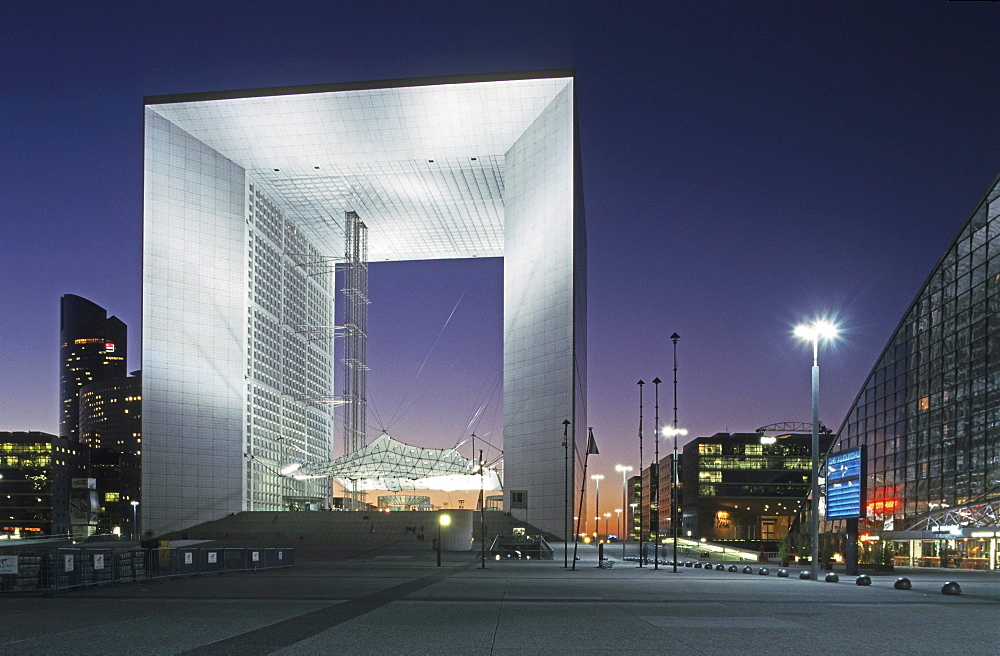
(746,166)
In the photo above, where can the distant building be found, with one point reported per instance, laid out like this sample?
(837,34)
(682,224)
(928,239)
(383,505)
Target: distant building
(111,425)
(666,495)
(746,487)
(38,471)
(649,501)
(634,507)
(93,348)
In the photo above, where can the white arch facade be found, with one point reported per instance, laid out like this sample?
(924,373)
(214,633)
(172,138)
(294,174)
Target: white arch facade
(245,191)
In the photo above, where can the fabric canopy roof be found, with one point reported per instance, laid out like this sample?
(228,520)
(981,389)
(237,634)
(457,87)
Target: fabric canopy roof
(387,464)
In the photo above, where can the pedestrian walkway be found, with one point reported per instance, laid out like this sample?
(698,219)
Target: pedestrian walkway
(396,601)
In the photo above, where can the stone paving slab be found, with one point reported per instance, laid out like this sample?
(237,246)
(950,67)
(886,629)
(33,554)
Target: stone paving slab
(409,606)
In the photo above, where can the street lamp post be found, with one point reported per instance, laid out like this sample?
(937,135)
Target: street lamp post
(443,520)
(641,553)
(674,486)
(656,460)
(624,471)
(674,469)
(565,444)
(818,330)
(597,478)
(607,531)
(135,528)
(618,527)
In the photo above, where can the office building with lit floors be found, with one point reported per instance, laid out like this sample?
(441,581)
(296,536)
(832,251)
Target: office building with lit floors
(255,200)
(36,475)
(746,489)
(928,414)
(93,347)
(111,426)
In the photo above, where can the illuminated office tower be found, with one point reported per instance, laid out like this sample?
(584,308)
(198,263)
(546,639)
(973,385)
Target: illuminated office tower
(111,425)
(246,199)
(92,348)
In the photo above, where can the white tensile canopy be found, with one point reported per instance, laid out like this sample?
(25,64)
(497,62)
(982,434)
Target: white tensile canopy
(387,464)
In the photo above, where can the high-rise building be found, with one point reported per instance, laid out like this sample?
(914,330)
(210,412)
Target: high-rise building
(111,425)
(93,348)
(929,411)
(37,471)
(246,207)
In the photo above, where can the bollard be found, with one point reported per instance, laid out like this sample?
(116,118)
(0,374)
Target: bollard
(748,570)
(782,572)
(720,568)
(864,579)
(951,588)
(764,571)
(902,583)
(734,568)
(831,577)
(805,575)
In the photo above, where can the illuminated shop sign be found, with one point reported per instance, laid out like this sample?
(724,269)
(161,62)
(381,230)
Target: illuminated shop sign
(845,482)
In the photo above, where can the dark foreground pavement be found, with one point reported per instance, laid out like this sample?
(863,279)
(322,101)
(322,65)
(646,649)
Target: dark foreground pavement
(399,602)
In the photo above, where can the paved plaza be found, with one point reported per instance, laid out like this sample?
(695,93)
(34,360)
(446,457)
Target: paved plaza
(396,601)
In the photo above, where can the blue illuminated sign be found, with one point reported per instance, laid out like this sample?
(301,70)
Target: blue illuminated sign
(845,484)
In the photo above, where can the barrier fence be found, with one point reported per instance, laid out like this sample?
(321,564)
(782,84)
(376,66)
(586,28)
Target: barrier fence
(67,568)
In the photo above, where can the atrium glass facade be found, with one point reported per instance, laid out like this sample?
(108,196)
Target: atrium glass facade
(929,411)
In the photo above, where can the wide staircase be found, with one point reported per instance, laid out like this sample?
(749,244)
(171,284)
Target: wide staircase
(349,530)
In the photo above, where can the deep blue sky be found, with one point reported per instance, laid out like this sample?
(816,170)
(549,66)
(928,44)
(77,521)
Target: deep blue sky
(746,166)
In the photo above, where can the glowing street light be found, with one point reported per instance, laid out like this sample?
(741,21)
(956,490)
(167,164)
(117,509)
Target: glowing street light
(135,527)
(814,333)
(443,520)
(624,471)
(674,432)
(597,478)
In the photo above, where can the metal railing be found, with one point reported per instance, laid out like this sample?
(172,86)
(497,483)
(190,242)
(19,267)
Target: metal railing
(522,547)
(59,569)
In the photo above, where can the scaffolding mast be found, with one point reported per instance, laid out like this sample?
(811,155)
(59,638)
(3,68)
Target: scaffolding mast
(355,331)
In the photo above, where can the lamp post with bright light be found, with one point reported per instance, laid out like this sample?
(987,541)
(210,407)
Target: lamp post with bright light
(135,527)
(674,487)
(443,520)
(624,469)
(813,333)
(656,460)
(597,478)
(607,528)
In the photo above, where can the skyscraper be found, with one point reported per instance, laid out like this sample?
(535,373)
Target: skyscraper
(111,425)
(93,348)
